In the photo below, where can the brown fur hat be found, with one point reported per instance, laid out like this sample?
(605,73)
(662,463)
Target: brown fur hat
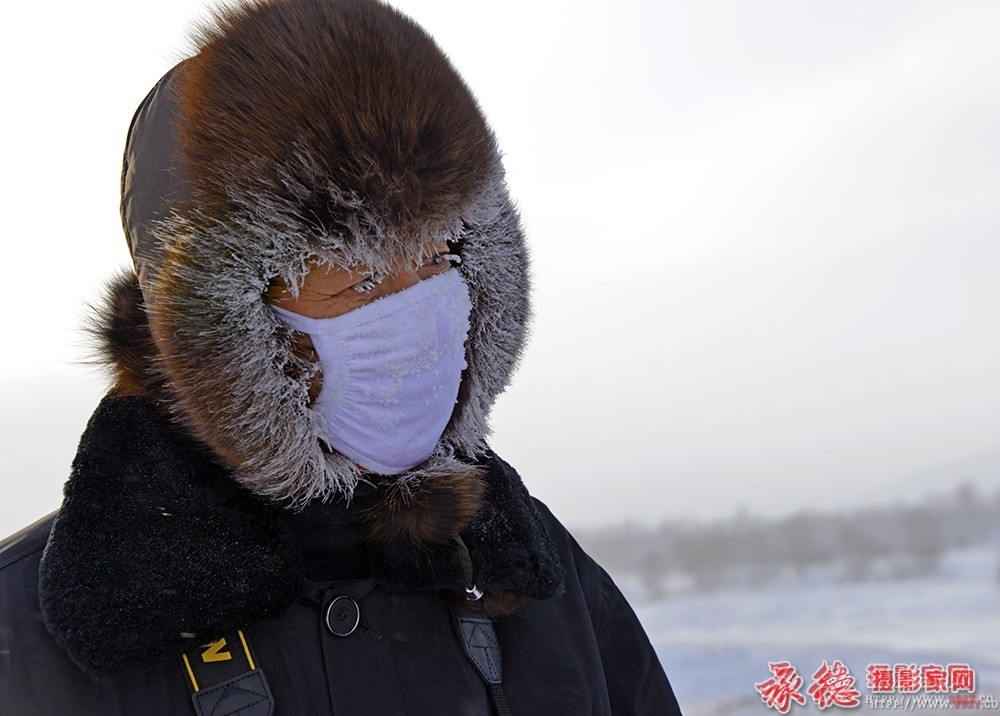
(305,128)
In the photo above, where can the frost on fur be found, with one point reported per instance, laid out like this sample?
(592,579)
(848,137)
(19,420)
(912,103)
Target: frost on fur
(231,360)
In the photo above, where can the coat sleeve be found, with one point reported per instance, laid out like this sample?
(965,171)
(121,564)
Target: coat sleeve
(635,678)
(636,682)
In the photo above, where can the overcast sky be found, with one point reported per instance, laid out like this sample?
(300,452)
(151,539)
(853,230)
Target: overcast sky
(766,241)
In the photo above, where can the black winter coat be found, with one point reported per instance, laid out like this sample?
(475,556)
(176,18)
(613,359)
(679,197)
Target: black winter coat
(581,651)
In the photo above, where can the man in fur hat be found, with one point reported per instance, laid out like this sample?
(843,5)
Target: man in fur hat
(286,503)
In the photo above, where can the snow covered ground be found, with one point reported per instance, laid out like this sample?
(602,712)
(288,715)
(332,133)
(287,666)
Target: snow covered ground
(716,646)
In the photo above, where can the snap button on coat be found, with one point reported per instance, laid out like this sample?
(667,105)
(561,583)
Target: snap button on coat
(342,616)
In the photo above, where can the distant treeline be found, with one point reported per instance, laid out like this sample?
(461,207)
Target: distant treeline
(895,541)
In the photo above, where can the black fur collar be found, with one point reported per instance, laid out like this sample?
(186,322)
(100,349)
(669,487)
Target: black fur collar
(156,547)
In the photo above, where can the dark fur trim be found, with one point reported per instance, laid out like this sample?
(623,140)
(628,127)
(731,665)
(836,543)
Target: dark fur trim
(156,546)
(150,550)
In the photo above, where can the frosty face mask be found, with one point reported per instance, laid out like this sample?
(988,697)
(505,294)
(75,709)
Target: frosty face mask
(391,371)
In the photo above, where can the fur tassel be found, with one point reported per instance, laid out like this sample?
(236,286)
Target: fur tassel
(124,343)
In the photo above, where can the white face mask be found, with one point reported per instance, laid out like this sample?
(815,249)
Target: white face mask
(391,371)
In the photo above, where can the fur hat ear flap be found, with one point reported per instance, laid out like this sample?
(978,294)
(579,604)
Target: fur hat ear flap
(427,506)
(123,342)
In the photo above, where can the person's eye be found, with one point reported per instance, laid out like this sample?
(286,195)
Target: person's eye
(453,259)
(369,284)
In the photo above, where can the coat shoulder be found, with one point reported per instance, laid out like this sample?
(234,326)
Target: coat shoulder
(633,675)
(27,542)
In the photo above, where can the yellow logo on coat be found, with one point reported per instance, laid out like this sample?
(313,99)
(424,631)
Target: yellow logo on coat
(213,652)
